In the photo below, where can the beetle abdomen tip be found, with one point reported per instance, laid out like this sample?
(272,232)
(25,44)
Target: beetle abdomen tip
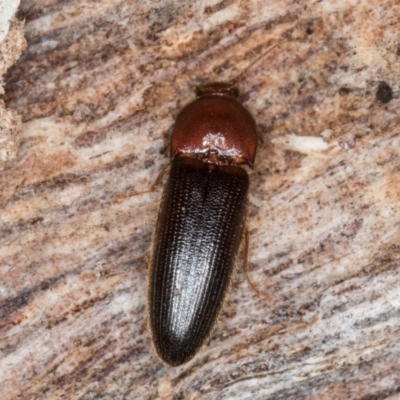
(176,351)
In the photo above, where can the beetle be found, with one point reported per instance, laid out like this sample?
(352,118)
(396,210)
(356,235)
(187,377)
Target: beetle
(201,221)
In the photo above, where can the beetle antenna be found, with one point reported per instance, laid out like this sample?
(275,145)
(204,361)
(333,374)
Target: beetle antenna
(260,57)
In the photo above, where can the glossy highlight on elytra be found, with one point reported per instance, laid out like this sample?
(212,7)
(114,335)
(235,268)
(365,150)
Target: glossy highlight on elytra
(201,221)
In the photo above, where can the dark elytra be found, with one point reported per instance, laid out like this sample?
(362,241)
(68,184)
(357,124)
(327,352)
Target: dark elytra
(200,222)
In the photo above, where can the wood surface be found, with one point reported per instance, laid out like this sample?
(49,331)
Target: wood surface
(12,44)
(98,89)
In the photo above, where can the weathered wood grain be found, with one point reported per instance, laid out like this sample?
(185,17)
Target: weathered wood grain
(12,44)
(98,89)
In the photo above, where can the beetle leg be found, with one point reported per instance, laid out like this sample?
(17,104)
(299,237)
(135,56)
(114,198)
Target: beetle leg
(246,264)
(151,189)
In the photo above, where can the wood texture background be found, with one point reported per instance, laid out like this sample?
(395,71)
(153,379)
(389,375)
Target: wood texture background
(98,89)
(12,44)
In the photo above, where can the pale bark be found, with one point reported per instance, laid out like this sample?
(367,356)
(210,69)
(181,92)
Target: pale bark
(98,89)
